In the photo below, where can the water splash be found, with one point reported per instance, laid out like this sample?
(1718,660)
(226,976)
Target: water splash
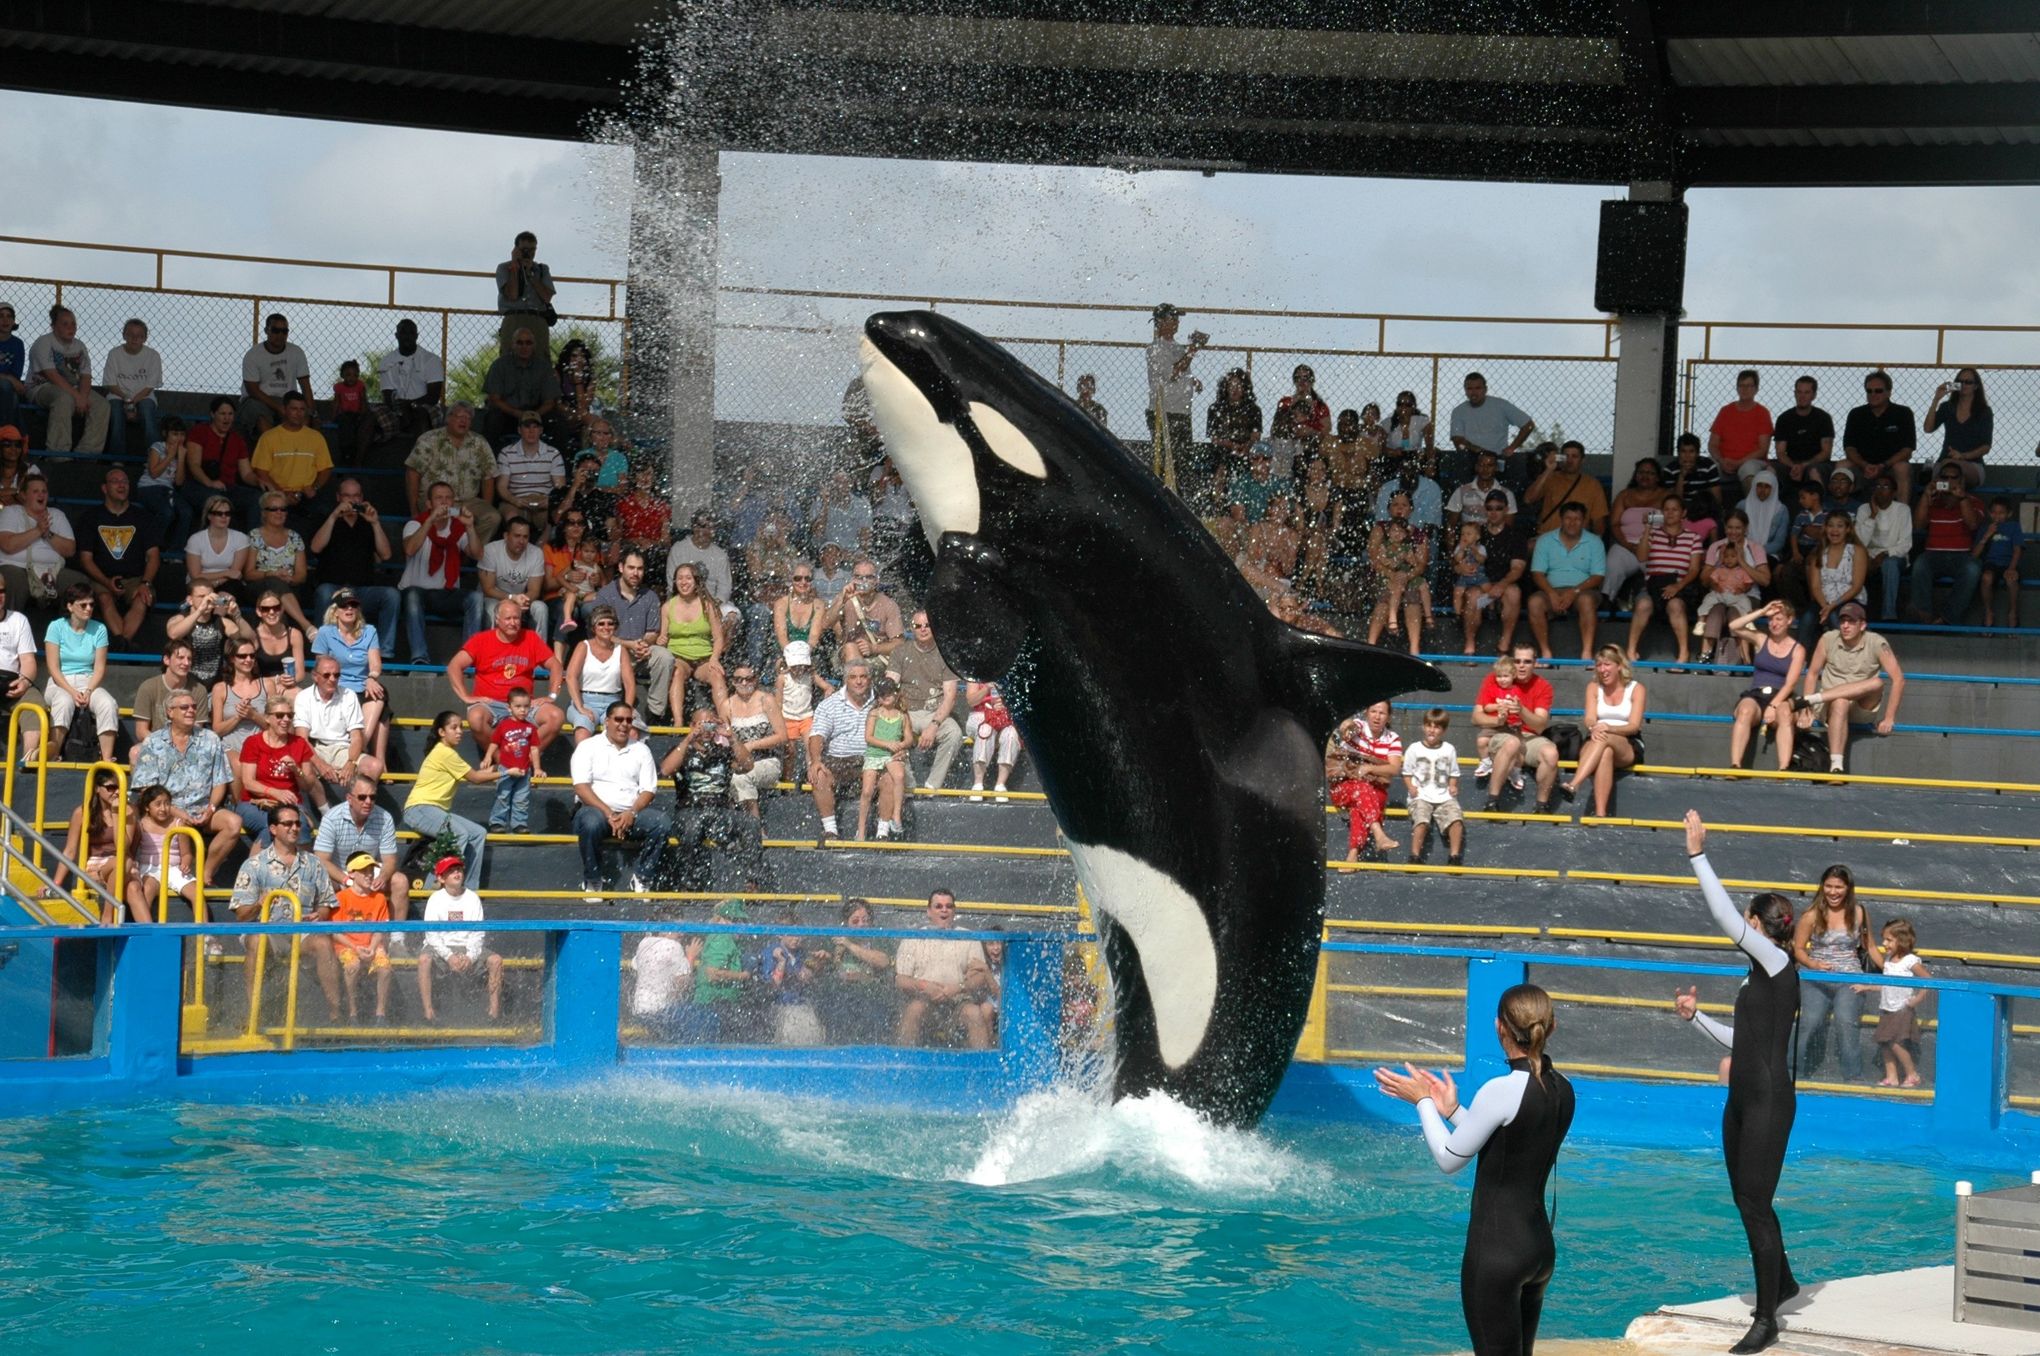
(1071,1131)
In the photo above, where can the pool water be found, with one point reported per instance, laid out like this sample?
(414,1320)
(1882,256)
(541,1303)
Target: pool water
(630,1216)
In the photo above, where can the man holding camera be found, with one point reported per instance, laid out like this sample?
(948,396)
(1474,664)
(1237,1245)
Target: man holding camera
(1170,388)
(524,294)
(351,546)
(1949,514)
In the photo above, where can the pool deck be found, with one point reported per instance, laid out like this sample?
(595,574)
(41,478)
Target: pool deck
(1897,1313)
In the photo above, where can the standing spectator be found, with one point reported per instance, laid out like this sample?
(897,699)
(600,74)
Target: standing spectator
(1803,437)
(1742,430)
(428,810)
(507,657)
(524,295)
(994,740)
(527,472)
(284,869)
(1845,681)
(1232,424)
(640,625)
(1567,569)
(1367,757)
(930,690)
(1999,544)
(158,858)
(329,718)
(413,382)
(1949,516)
(74,650)
(867,620)
(1431,781)
(1407,436)
(462,459)
(1518,715)
(512,570)
(1697,482)
(1879,437)
(60,380)
(1505,558)
(18,672)
(437,543)
(510,746)
(270,371)
(1885,529)
(1565,481)
(1833,936)
(14,368)
(216,465)
(931,973)
(1087,399)
(1671,569)
(1308,418)
(518,383)
(615,782)
(835,743)
(190,762)
(152,698)
(361,826)
(1736,572)
(461,955)
(1896,1025)
(292,459)
(1837,568)
(1613,716)
(132,374)
(888,734)
(277,564)
(122,553)
(352,546)
(1965,414)
(162,474)
(1481,423)
(273,772)
(349,637)
(1171,389)
(36,547)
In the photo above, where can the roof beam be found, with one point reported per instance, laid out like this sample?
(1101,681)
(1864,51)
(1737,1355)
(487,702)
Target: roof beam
(1860,166)
(2008,104)
(1839,18)
(1508,18)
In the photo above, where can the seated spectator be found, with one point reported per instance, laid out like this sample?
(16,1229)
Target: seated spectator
(995,740)
(598,675)
(1671,572)
(1949,516)
(1565,481)
(241,697)
(2000,542)
(932,694)
(1803,437)
(156,486)
(132,375)
(613,456)
(644,517)
(1517,716)
(1259,484)
(190,762)
(640,625)
(1400,561)
(354,421)
(692,631)
(17,674)
(362,900)
(74,649)
(461,955)
(756,726)
(1735,573)
(799,689)
(512,570)
(13,368)
(155,693)
(1770,518)
(274,772)
(1843,491)
(1836,570)
(1365,760)
(1468,503)
(461,459)
(726,986)
(854,997)
(1697,481)
(163,870)
(277,563)
(888,734)
(788,969)
(574,369)
(703,767)
(351,547)
(271,371)
(1740,436)
(329,718)
(1615,707)
(509,656)
(519,382)
(1845,681)
(1567,569)
(357,827)
(1430,772)
(36,547)
(60,380)
(1963,411)
(15,467)
(835,743)
(615,782)
(218,555)
(279,646)
(345,636)
(437,543)
(528,470)
(1232,423)
(216,466)
(930,973)
(280,874)
(120,553)
(1885,529)
(292,461)
(1878,437)
(581,498)
(867,621)
(1505,559)
(510,749)
(428,810)
(413,382)
(832,572)
(1777,660)
(801,615)
(841,517)
(662,987)
(576,567)
(712,564)
(1629,522)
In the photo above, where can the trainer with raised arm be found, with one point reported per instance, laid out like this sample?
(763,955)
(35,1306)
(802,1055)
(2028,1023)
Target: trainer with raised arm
(1757,1121)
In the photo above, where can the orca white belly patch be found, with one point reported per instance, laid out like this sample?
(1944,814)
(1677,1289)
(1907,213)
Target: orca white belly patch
(1169,932)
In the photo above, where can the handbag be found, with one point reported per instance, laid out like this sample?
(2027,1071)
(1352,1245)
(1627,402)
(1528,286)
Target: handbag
(1566,738)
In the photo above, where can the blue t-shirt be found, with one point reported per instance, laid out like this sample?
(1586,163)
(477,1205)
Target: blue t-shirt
(2005,538)
(1564,569)
(615,468)
(353,658)
(13,356)
(76,649)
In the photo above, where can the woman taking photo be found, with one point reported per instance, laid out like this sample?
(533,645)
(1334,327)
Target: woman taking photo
(1614,722)
(1757,1121)
(210,620)
(1833,936)
(1514,1126)
(1778,661)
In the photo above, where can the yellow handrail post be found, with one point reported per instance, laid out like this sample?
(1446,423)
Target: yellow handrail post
(297,939)
(1310,1046)
(42,766)
(194,1011)
(120,824)
(262,954)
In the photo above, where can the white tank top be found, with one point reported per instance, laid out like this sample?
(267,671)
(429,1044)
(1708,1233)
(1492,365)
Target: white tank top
(602,675)
(1617,713)
(796,700)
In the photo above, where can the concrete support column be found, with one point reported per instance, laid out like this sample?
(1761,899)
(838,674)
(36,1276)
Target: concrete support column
(1646,373)
(674,220)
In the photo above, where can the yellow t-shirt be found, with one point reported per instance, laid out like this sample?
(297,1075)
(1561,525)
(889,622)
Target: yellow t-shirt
(438,776)
(293,460)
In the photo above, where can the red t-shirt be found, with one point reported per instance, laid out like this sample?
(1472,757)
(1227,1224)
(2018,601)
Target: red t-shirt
(512,739)
(1945,529)
(276,768)
(350,399)
(1743,433)
(1536,696)
(500,667)
(221,457)
(644,520)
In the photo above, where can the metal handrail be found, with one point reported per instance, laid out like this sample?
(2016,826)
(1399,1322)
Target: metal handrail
(15,823)
(297,915)
(42,761)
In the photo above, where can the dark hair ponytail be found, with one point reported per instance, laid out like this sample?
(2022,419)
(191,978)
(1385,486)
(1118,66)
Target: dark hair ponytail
(1773,913)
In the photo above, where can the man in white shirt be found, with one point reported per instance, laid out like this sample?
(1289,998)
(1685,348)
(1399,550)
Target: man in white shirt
(512,568)
(132,375)
(36,547)
(270,371)
(60,380)
(700,548)
(413,381)
(329,718)
(1170,385)
(1885,528)
(1468,503)
(527,472)
(615,781)
(943,974)
(464,955)
(835,742)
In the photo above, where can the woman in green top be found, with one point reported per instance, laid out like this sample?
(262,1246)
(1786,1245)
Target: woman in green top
(693,632)
(429,807)
(888,734)
(724,981)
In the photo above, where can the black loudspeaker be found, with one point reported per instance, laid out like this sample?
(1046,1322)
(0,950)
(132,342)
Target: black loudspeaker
(1642,265)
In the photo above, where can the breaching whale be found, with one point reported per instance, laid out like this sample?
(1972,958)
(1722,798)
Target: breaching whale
(1177,726)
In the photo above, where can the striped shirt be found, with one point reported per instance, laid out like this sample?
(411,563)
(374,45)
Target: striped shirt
(1372,748)
(1667,554)
(529,473)
(840,725)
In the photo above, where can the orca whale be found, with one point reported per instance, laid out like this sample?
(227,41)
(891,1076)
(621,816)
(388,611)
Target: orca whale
(1177,726)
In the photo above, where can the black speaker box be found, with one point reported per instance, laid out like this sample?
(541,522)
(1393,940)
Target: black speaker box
(1641,269)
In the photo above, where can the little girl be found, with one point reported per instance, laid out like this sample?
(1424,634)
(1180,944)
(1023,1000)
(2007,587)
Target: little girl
(156,488)
(888,733)
(153,822)
(350,410)
(1469,565)
(94,826)
(1897,1027)
(583,579)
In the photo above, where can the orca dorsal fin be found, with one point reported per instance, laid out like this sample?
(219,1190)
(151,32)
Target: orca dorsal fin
(1328,678)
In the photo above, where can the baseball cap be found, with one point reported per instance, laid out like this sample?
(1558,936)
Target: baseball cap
(450,862)
(10,433)
(342,597)
(1854,611)
(361,861)
(1167,309)
(1496,499)
(1842,470)
(798,655)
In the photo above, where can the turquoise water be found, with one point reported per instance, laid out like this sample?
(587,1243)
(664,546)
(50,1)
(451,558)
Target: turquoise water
(633,1217)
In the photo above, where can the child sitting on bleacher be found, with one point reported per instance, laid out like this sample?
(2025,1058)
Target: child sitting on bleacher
(156,487)
(2000,541)
(1503,675)
(351,412)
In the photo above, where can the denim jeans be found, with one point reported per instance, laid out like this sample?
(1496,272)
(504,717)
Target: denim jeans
(246,499)
(116,424)
(1887,574)
(428,820)
(1961,567)
(1816,1001)
(174,514)
(442,604)
(480,614)
(379,603)
(512,809)
(591,827)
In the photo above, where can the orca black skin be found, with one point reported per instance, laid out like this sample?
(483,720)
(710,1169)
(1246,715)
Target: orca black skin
(1178,727)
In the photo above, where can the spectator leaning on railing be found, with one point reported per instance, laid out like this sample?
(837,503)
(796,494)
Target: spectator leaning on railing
(1482,422)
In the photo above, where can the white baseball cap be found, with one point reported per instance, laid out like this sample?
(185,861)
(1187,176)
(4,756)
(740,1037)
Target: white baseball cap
(798,655)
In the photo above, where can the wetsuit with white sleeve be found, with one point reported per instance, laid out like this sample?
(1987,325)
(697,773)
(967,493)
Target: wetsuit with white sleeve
(1514,1126)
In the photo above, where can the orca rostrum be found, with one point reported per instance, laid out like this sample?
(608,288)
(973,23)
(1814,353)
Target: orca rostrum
(1177,726)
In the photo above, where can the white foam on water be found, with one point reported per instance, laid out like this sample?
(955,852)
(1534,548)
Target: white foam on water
(1066,1132)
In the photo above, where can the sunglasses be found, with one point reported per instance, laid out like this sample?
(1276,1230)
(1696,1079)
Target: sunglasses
(803,579)
(219,513)
(269,611)
(272,508)
(283,823)
(348,607)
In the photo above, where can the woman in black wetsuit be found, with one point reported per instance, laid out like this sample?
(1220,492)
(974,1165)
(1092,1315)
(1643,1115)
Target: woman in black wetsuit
(1757,1121)
(1514,1126)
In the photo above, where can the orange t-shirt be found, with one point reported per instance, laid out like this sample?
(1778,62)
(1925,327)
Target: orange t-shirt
(352,906)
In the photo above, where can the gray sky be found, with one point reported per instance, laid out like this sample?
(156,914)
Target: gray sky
(434,199)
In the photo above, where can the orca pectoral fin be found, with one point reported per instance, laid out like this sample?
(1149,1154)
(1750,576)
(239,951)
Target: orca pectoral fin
(978,621)
(1329,678)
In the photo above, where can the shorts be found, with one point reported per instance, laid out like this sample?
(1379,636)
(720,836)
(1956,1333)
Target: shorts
(1656,584)
(877,761)
(845,771)
(1762,696)
(1443,813)
(352,955)
(1895,1028)
(332,754)
(797,730)
(477,969)
(1532,745)
(179,879)
(1470,581)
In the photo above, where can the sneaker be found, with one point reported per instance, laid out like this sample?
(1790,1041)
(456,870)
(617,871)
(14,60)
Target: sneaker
(1455,860)
(884,828)
(829,829)
(977,793)
(1000,798)
(592,889)
(1484,769)
(215,949)
(498,828)
(1836,763)
(1516,780)
(638,886)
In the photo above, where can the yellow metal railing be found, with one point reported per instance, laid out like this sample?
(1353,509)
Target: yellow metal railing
(42,767)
